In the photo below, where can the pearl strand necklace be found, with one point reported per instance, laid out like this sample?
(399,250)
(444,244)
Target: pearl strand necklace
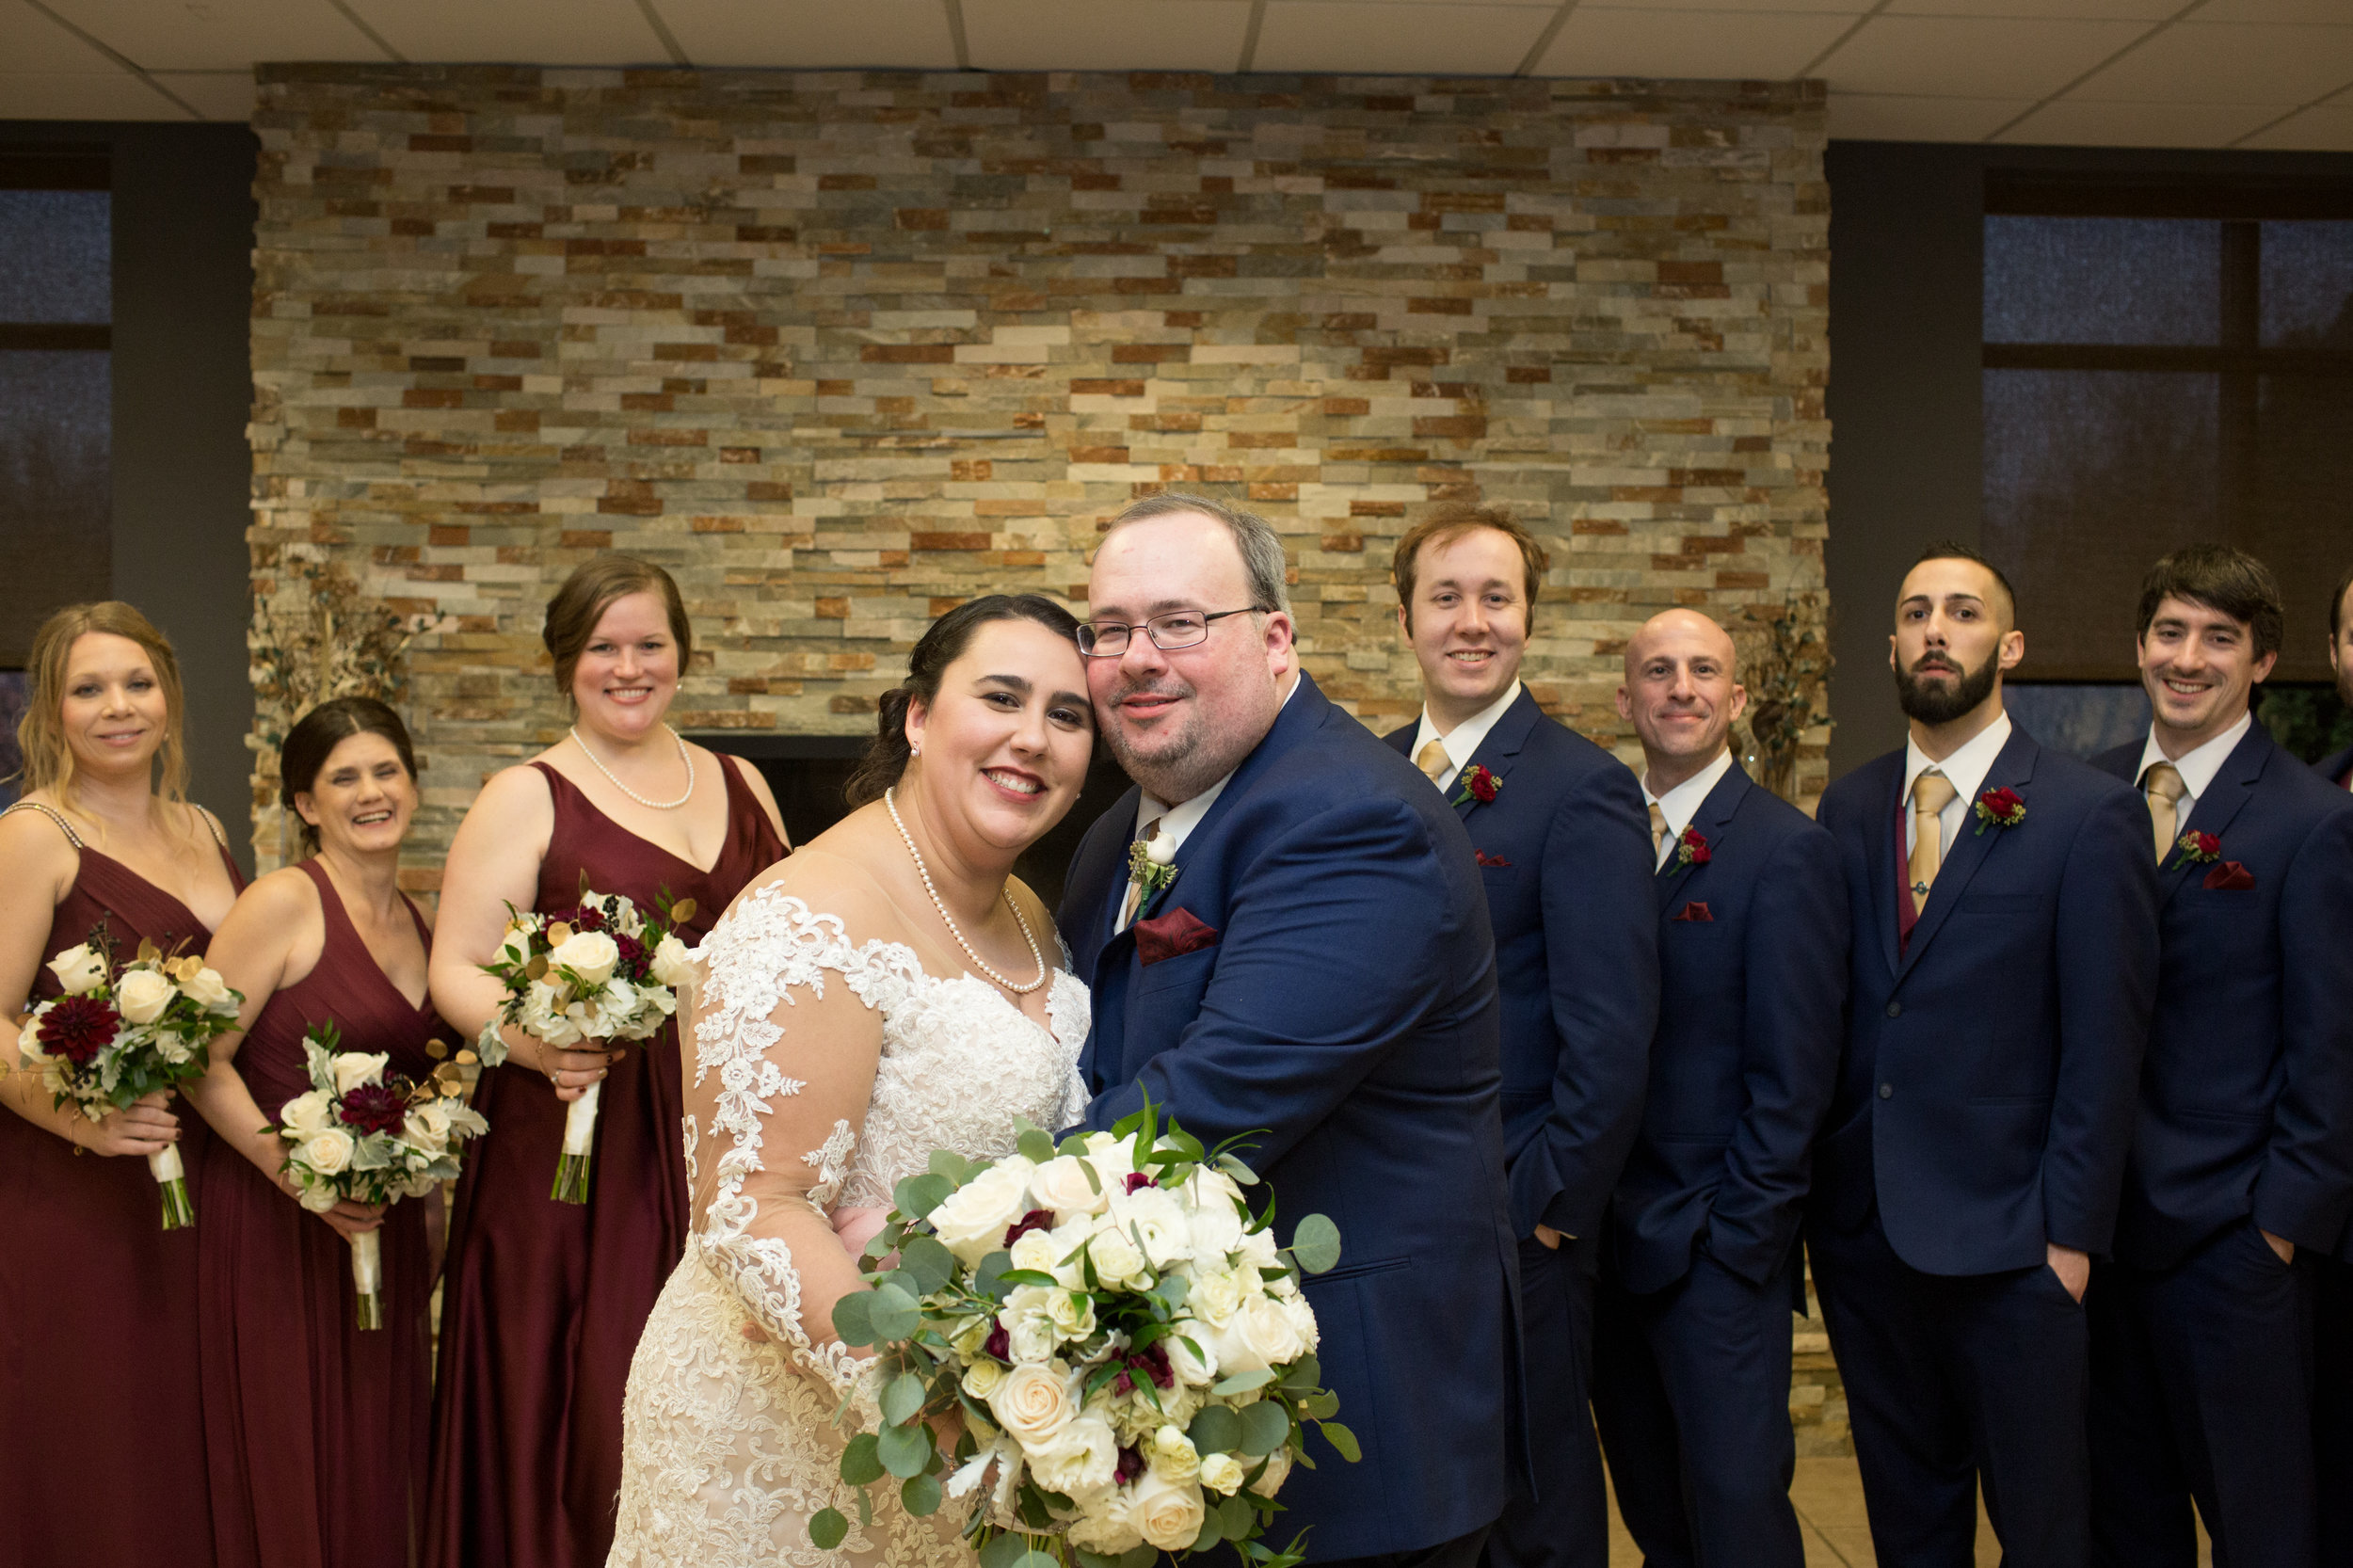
(938,903)
(683,754)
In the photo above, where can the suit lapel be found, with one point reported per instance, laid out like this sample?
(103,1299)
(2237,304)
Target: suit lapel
(1886,845)
(1497,752)
(1714,821)
(2234,784)
(2014,769)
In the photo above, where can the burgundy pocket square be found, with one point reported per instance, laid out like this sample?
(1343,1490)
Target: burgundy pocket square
(1487,859)
(1695,910)
(2231,877)
(1173,936)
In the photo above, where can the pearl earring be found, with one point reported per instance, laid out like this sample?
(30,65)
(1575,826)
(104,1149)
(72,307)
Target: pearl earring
(914,751)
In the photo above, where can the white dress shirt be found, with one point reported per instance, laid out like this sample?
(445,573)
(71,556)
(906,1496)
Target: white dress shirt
(1463,743)
(1966,770)
(1180,820)
(2197,767)
(1682,802)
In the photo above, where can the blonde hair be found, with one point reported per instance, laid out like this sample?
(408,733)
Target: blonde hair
(41,733)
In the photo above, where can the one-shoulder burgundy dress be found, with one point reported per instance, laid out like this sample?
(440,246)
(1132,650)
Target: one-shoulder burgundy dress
(542,1302)
(316,1431)
(101,1416)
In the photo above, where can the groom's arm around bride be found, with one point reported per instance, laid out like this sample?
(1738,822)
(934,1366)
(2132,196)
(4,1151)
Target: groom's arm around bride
(1319,977)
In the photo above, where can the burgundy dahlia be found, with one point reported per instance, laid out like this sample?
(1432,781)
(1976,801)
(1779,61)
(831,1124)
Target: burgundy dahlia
(586,918)
(374,1108)
(634,956)
(1131,1466)
(1154,1363)
(78,1028)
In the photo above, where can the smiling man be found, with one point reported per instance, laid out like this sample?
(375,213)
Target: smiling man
(1556,825)
(2002,901)
(2242,1152)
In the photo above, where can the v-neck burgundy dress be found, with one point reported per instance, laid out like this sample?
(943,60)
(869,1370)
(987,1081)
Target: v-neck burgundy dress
(100,1416)
(315,1430)
(542,1302)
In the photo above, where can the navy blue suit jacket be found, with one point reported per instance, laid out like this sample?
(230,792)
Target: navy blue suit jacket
(1985,1100)
(2333,768)
(1565,857)
(1345,1021)
(2247,1095)
(1753,967)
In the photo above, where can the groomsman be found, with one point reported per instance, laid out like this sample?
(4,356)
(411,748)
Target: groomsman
(2004,960)
(2242,1153)
(2332,1405)
(1691,1349)
(1557,824)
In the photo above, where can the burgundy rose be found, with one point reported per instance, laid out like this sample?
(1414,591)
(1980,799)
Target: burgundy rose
(999,1343)
(374,1108)
(1137,1178)
(2204,848)
(1999,807)
(78,1028)
(1131,1466)
(1479,785)
(1691,848)
(1036,1218)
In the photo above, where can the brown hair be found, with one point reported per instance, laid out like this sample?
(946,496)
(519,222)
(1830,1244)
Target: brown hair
(312,740)
(589,592)
(1255,538)
(41,734)
(2225,580)
(1448,522)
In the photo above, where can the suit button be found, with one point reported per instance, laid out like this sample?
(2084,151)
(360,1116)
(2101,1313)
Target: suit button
(1887,1091)
(1895,1009)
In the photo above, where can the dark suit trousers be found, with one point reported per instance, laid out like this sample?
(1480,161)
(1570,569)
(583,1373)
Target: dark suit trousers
(2202,1387)
(2332,1407)
(1954,1378)
(1565,1523)
(1691,1394)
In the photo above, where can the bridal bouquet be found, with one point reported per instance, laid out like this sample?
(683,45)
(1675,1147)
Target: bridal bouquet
(1125,1345)
(117,1035)
(604,971)
(357,1134)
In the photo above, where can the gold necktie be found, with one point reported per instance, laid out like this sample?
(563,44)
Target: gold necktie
(1930,793)
(1432,760)
(1134,900)
(2164,787)
(1658,831)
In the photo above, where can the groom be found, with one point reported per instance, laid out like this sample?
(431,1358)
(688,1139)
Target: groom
(1318,979)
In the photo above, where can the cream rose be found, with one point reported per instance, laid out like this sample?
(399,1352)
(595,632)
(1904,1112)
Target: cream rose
(307,1115)
(354,1068)
(1037,1250)
(1173,1454)
(1033,1402)
(514,948)
(1278,1466)
(1258,1249)
(142,995)
(589,954)
(1198,1371)
(208,990)
(1153,1215)
(427,1126)
(983,1379)
(1259,1335)
(1223,1474)
(1071,1313)
(1081,1460)
(1215,1295)
(79,969)
(974,1221)
(1117,1261)
(327,1152)
(1063,1184)
(673,962)
(1167,1514)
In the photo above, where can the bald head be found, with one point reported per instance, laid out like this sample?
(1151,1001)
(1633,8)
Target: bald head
(1680,695)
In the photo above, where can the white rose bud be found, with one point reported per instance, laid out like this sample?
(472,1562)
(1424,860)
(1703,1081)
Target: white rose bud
(983,1379)
(1080,1461)
(1032,1402)
(1116,1259)
(1166,1513)
(1037,1250)
(1223,1474)
(1173,1454)
(673,962)
(974,1221)
(1215,1295)
(1278,1466)
(1194,1371)
(1161,851)
(79,969)
(354,1068)
(307,1115)
(589,954)
(142,995)
(327,1152)
(1071,1313)
(208,990)
(1062,1185)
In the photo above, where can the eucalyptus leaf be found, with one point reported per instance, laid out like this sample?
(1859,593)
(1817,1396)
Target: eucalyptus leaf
(1026,1276)
(1320,1406)
(860,1465)
(1035,1559)
(927,1264)
(1234,1517)
(1243,1382)
(918,1195)
(1265,1427)
(1216,1430)
(1036,1144)
(904,1451)
(1138,1557)
(1213,1532)
(1306,1372)
(1001,1551)
(949,1163)
(853,1317)
(902,1397)
(920,1495)
(1342,1439)
(1316,1243)
(890,1313)
(988,1279)
(828,1529)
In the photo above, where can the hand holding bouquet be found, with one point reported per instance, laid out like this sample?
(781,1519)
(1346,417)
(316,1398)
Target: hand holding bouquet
(117,1036)
(1125,1345)
(600,971)
(358,1135)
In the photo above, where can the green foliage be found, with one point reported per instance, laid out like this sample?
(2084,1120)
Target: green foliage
(828,1529)
(1316,1243)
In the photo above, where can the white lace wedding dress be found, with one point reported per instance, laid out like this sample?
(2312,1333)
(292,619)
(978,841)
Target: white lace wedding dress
(728,1443)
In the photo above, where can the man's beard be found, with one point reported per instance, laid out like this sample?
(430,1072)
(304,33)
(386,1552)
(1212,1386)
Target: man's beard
(1942,704)
(1169,774)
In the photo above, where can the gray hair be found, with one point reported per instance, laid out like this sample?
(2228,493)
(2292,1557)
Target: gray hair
(1260,547)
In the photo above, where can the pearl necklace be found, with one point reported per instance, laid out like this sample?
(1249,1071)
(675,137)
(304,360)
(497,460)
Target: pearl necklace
(683,756)
(938,903)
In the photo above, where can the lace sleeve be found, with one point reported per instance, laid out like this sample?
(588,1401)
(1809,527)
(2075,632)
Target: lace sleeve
(788,1034)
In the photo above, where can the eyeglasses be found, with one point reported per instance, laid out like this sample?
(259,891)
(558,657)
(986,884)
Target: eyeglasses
(1108,639)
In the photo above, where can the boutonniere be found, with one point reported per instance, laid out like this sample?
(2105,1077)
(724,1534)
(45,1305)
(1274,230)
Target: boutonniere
(1691,848)
(2000,808)
(1478,784)
(1151,864)
(2199,849)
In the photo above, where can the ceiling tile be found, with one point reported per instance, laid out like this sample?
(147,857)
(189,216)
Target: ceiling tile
(1414,40)
(112,94)
(1967,57)
(33,44)
(2081,10)
(1713,45)
(1106,35)
(813,35)
(1848,9)
(2193,63)
(218,34)
(217,94)
(2275,10)
(2327,129)
(543,32)
(2077,125)
(1867,117)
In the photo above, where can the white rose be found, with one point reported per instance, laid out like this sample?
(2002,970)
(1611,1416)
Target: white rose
(974,1221)
(1080,1461)
(307,1115)
(209,990)
(981,1378)
(1278,1466)
(1194,1371)
(1216,1231)
(1104,1527)
(428,1127)
(589,954)
(1153,1215)
(514,948)
(1038,1250)
(142,995)
(354,1068)
(1161,851)
(1063,1185)
(1303,1318)
(1167,1514)
(1259,1335)
(1117,1261)
(1258,1249)
(327,1152)
(1173,1454)
(1032,1402)
(1215,1295)
(1210,1188)
(673,962)
(1072,1314)
(79,969)
(1223,1474)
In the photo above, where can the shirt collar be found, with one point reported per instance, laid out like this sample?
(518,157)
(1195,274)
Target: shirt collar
(1966,768)
(1462,743)
(2198,767)
(1179,822)
(1682,802)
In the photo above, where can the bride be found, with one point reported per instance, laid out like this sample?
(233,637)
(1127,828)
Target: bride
(888,990)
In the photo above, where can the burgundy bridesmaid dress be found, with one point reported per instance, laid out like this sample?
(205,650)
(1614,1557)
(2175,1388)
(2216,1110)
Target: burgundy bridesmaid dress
(101,1418)
(542,1302)
(316,1431)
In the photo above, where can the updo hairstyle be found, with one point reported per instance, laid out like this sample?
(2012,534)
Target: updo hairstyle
(312,740)
(589,591)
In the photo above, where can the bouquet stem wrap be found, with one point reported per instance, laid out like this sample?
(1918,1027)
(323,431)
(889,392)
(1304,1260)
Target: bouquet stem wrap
(367,1278)
(580,1145)
(172,1176)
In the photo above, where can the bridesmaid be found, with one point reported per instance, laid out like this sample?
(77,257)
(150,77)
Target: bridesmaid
(315,1430)
(98,1344)
(543,1301)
